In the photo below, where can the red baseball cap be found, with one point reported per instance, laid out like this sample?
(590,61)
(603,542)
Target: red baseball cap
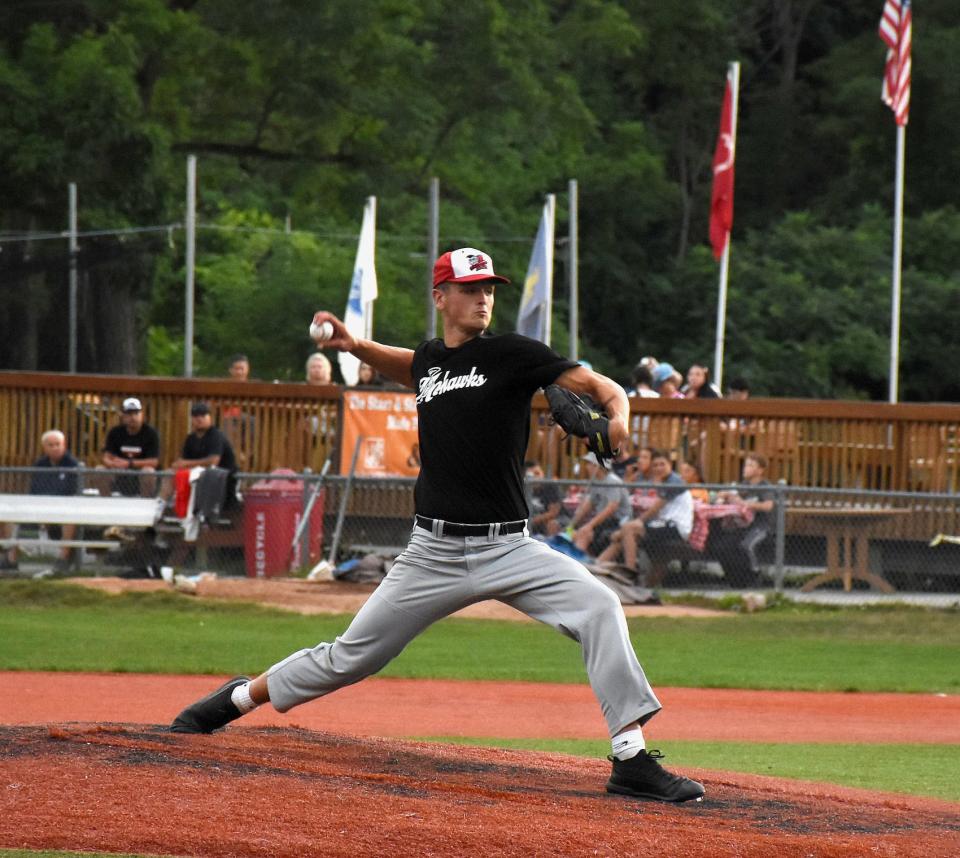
(465,265)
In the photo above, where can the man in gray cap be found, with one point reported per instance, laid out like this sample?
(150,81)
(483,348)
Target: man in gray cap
(132,446)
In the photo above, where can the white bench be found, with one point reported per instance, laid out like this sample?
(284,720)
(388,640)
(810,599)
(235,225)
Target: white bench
(83,510)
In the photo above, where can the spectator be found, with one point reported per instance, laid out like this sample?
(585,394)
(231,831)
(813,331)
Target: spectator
(367,376)
(57,482)
(544,499)
(666,381)
(735,547)
(623,463)
(132,446)
(642,378)
(738,389)
(206,447)
(319,371)
(639,472)
(235,423)
(239,367)
(605,508)
(662,526)
(692,475)
(698,384)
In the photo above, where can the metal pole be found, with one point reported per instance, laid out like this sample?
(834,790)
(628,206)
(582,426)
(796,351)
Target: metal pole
(310,495)
(897,265)
(433,251)
(342,512)
(191,230)
(72,349)
(573,269)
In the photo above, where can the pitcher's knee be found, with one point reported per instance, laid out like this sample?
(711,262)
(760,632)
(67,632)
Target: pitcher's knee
(602,602)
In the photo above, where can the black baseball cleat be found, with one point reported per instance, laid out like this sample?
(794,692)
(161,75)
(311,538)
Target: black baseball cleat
(210,713)
(642,776)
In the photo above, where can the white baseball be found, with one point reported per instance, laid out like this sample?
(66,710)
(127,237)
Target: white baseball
(320,333)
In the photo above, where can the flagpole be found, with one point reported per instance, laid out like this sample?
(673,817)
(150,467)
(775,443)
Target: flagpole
(433,251)
(548,309)
(897,264)
(368,308)
(725,259)
(573,267)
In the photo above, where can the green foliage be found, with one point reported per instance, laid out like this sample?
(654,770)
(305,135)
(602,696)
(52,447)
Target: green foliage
(300,111)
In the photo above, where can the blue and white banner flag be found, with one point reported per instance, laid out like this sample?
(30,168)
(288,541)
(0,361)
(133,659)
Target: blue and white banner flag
(358,316)
(533,319)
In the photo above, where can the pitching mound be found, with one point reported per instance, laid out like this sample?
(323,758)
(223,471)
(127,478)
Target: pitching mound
(288,792)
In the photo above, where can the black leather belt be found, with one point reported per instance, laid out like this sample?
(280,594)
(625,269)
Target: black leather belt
(451,528)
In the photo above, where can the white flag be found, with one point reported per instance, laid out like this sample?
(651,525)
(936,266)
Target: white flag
(533,319)
(358,316)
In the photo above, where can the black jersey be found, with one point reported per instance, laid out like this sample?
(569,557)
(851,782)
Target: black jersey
(473,404)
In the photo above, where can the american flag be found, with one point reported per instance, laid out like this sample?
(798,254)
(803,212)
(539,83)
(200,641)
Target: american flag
(895,30)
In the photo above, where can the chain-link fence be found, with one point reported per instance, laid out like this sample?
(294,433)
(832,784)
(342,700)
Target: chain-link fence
(799,540)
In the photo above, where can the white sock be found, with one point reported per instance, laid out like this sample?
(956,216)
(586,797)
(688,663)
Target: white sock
(240,697)
(628,744)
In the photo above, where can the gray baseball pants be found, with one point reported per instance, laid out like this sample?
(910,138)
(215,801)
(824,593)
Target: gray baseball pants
(436,576)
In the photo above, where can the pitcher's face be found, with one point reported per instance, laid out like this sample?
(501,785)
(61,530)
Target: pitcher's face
(466,306)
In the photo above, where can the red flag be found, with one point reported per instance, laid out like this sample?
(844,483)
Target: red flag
(721,202)
(896,26)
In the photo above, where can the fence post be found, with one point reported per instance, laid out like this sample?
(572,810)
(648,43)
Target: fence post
(780,536)
(343,502)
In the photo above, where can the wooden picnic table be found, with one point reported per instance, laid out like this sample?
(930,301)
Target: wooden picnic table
(848,530)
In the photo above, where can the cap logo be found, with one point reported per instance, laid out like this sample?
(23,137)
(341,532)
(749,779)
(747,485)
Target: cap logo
(478,262)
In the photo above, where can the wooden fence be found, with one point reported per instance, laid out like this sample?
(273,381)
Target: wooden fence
(807,442)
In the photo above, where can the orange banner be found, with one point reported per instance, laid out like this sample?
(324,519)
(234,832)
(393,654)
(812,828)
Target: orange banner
(387,423)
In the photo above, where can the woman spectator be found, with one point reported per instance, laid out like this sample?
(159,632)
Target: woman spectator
(698,384)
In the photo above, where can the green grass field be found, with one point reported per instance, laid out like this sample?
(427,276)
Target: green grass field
(57,626)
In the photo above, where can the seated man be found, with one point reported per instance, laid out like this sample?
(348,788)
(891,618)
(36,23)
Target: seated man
(205,447)
(736,547)
(544,499)
(132,446)
(605,508)
(662,526)
(55,455)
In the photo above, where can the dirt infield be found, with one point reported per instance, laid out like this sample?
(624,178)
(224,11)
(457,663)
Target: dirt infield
(339,597)
(437,707)
(287,792)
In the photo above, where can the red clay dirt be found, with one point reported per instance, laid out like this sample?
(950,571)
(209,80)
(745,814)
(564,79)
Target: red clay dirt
(338,789)
(288,792)
(406,707)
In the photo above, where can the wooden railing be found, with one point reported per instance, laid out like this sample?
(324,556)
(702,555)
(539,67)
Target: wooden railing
(807,442)
(270,425)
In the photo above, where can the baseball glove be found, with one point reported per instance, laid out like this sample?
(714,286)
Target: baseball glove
(581,417)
